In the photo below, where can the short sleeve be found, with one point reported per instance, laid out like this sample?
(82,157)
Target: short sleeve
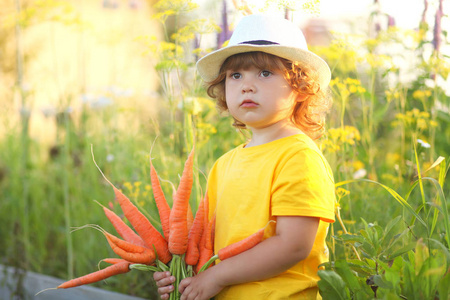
(303,185)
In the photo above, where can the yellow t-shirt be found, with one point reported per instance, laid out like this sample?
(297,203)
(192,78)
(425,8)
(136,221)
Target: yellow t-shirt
(247,187)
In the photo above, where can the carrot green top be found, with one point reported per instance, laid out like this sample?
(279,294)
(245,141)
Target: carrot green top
(247,187)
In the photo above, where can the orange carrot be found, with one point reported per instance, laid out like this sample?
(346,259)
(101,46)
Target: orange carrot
(230,250)
(205,246)
(141,224)
(195,235)
(178,237)
(123,229)
(205,255)
(118,268)
(130,252)
(144,228)
(209,243)
(213,231)
(190,217)
(161,202)
(241,246)
(113,261)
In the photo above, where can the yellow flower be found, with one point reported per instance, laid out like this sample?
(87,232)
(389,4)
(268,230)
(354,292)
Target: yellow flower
(434,123)
(341,193)
(393,180)
(358,165)
(349,222)
(421,124)
(415,118)
(378,60)
(392,158)
(329,146)
(338,137)
(421,94)
(391,95)
(348,86)
(424,114)
(128,185)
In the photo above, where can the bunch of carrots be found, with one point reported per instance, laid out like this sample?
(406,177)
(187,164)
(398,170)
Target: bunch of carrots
(185,247)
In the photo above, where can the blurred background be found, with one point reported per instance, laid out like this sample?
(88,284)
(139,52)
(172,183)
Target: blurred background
(118,76)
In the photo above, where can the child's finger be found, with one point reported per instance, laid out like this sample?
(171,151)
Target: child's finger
(164,291)
(184,283)
(160,275)
(165,297)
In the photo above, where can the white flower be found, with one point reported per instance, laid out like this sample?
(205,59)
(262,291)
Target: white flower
(119,92)
(48,111)
(101,102)
(359,174)
(423,144)
(109,157)
(87,98)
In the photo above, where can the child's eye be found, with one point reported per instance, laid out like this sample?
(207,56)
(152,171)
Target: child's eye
(235,75)
(266,73)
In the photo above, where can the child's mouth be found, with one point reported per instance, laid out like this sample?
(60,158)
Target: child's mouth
(248,104)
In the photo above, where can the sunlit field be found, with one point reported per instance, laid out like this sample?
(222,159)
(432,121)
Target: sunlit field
(117,80)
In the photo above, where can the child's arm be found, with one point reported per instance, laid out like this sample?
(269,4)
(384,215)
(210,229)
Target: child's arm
(292,243)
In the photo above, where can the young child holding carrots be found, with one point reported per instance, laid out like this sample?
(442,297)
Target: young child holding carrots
(271,84)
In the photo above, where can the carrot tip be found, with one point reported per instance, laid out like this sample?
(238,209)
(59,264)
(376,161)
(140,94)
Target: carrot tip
(95,163)
(55,288)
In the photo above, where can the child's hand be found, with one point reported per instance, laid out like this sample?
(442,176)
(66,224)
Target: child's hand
(202,286)
(164,282)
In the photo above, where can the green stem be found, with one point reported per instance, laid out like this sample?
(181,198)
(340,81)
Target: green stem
(208,263)
(162,266)
(176,269)
(190,271)
(142,267)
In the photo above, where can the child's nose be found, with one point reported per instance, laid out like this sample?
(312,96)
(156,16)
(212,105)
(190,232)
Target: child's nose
(248,87)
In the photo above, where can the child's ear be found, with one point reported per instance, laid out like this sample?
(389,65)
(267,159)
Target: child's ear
(300,97)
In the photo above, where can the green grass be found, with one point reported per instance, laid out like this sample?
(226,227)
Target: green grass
(372,127)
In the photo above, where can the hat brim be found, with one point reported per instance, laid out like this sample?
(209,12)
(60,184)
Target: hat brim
(209,65)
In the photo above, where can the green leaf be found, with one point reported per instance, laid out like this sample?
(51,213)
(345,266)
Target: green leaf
(421,254)
(350,238)
(390,231)
(443,207)
(369,250)
(331,286)
(380,282)
(410,287)
(422,193)
(444,287)
(392,192)
(361,267)
(443,248)
(393,274)
(343,269)
(433,269)
(402,250)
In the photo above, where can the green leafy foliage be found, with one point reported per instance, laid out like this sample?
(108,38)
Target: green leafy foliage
(387,141)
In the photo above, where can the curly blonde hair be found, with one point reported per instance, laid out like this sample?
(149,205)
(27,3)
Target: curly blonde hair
(312,101)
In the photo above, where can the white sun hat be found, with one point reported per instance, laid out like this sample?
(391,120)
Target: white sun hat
(269,34)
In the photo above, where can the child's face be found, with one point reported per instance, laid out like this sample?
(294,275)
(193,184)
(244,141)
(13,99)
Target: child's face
(258,98)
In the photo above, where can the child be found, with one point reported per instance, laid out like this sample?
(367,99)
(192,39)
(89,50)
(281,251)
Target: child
(271,84)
